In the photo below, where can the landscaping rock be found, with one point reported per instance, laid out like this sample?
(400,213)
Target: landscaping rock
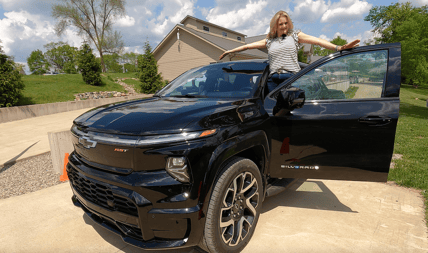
(108,94)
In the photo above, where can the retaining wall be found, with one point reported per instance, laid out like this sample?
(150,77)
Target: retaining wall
(28,111)
(60,143)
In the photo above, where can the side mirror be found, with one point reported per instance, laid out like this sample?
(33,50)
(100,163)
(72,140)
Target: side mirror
(291,98)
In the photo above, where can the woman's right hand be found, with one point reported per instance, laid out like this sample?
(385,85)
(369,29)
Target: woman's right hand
(223,55)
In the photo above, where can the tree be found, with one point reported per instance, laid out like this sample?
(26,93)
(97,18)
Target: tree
(324,52)
(130,60)
(150,79)
(37,63)
(401,22)
(11,84)
(301,57)
(413,35)
(94,20)
(62,57)
(88,66)
(20,68)
(386,19)
(112,63)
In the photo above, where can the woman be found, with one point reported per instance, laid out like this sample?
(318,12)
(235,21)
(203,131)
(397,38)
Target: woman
(282,43)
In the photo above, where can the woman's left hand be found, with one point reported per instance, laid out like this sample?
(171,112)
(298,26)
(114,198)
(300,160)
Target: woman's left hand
(349,45)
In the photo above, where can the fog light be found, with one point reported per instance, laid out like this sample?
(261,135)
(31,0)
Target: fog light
(177,168)
(178,161)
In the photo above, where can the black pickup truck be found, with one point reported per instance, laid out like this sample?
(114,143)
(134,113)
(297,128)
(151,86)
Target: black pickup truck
(192,165)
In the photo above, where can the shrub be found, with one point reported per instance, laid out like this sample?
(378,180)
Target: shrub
(11,84)
(88,66)
(150,79)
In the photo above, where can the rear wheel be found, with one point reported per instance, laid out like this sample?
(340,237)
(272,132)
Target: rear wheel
(234,207)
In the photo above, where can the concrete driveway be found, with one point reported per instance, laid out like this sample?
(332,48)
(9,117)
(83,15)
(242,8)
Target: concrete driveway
(310,216)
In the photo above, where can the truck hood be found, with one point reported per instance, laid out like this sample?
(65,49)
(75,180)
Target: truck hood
(159,115)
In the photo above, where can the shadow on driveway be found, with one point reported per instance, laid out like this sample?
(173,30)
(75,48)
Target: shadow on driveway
(306,194)
(12,161)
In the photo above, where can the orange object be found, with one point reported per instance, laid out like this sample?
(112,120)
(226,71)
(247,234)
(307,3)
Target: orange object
(64,176)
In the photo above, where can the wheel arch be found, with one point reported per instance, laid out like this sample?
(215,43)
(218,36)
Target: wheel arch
(253,146)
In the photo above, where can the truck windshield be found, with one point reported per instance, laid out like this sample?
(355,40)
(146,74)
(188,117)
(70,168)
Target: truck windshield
(233,80)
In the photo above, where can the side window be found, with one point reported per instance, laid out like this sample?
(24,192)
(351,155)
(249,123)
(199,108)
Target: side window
(360,75)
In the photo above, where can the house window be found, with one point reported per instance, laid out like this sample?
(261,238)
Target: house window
(239,38)
(224,34)
(206,28)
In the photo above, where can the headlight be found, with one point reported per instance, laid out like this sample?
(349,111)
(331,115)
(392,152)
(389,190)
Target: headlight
(176,167)
(158,139)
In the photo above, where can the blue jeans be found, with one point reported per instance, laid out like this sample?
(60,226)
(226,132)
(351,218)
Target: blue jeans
(276,78)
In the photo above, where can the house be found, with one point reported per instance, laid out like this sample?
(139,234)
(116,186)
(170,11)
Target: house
(195,42)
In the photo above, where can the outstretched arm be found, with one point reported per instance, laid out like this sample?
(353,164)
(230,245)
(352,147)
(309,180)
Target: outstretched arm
(304,38)
(254,45)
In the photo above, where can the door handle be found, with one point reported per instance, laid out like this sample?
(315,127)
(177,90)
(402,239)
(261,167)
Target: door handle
(375,120)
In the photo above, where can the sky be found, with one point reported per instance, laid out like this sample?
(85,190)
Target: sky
(27,25)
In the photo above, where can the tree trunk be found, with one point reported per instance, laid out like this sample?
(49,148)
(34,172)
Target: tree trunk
(102,61)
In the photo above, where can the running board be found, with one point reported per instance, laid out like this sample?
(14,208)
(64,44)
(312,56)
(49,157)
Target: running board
(280,186)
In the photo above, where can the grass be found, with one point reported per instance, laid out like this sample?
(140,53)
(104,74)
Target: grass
(351,91)
(411,140)
(134,83)
(60,88)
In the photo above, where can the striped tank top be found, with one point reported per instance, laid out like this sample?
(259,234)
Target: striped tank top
(282,53)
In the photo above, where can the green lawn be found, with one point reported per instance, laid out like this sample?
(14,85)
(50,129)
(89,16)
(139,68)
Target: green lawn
(136,84)
(411,140)
(59,88)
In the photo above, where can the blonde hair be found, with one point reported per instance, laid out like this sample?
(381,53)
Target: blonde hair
(274,24)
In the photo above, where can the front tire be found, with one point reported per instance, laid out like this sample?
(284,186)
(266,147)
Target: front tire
(234,207)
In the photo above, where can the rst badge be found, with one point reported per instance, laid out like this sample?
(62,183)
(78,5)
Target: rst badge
(120,150)
(87,143)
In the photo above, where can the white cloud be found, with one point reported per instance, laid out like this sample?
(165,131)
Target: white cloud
(235,18)
(22,32)
(345,11)
(136,49)
(22,26)
(172,13)
(249,17)
(125,21)
(309,11)
(324,37)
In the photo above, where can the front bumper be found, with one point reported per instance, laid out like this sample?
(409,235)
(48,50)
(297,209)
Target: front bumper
(135,212)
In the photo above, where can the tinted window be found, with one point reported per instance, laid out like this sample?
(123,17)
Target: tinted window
(206,28)
(353,76)
(217,80)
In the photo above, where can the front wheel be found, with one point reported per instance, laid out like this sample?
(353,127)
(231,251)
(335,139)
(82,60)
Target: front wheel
(234,207)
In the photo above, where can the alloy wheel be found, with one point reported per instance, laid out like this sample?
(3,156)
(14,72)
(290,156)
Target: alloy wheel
(238,210)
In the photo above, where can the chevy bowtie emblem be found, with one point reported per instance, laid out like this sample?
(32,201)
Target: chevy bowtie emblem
(87,143)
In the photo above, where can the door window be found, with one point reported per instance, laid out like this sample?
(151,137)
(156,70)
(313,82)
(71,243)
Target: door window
(354,76)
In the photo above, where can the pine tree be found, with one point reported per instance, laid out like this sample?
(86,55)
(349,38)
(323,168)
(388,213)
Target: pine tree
(11,84)
(88,66)
(150,79)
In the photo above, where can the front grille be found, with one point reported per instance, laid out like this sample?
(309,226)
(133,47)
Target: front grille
(100,194)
